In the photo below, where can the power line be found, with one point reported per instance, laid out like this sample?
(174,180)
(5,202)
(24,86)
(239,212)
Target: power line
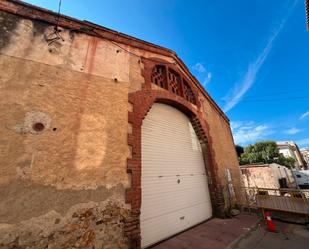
(55,35)
(58,13)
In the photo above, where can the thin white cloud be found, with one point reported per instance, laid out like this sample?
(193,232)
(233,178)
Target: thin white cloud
(199,67)
(303,142)
(203,73)
(304,115)
(249,132)
(235,124)
(292,131)
(242,86)
(207,79)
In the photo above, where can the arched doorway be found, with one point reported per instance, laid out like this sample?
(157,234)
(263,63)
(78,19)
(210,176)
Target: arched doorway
(175,193)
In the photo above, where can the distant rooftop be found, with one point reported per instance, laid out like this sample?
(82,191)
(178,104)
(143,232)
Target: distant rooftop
(256,165)
(286,143)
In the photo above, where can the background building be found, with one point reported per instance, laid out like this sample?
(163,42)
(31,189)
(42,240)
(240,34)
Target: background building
(305,154)
(290,149)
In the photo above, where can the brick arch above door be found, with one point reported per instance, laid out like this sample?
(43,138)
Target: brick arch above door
(167,76)
(142,102)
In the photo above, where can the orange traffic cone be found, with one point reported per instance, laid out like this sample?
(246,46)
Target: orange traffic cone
(270,225)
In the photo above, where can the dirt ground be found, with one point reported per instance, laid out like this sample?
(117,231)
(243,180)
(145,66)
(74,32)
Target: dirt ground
(288,236)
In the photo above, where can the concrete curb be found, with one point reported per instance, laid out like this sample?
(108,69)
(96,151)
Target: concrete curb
(234,243)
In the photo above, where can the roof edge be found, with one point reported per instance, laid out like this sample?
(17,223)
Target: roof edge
(37,13)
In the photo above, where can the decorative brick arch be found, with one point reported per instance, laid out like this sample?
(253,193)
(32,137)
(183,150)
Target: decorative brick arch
(142,102)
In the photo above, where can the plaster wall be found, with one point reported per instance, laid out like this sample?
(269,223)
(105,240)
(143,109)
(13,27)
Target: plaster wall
(63,183)
(267,176)
(260,177)
(62,186)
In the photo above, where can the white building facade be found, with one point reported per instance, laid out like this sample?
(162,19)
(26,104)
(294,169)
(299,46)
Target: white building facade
(305,154)
(290,149)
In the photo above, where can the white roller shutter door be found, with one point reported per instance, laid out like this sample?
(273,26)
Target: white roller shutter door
(175,193)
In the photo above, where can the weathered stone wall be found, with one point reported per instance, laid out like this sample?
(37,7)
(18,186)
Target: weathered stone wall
(63,139)
(259,177)
(266,176)
(64,136)
(83,142)
(89,225)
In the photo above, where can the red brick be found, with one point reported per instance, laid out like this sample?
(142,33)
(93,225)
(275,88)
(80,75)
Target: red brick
(142,101)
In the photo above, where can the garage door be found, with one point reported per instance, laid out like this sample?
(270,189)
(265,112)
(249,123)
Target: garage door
(175,193)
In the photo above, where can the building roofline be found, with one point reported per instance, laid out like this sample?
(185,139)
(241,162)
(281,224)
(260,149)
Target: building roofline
(41,14)
(257,165)
(284,146)
(253,166)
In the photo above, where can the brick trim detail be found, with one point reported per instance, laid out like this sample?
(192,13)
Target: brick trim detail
(142,102)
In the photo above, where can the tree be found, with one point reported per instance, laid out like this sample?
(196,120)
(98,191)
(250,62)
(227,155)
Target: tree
(286,161)
(264,152)
(239,150)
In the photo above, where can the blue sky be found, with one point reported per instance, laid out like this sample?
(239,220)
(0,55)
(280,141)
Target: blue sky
(251,56)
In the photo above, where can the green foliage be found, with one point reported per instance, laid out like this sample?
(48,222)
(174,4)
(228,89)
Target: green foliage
(288,162)
(264,152)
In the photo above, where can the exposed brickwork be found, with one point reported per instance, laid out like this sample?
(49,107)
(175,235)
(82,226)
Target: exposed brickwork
(132,229)
(89,226)
(166,76)
(142,101)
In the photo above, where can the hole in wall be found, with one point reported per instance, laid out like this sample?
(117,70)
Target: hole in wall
(54,129)
(38,126)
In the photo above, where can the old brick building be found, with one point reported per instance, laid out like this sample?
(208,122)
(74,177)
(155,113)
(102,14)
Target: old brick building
(105,139)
